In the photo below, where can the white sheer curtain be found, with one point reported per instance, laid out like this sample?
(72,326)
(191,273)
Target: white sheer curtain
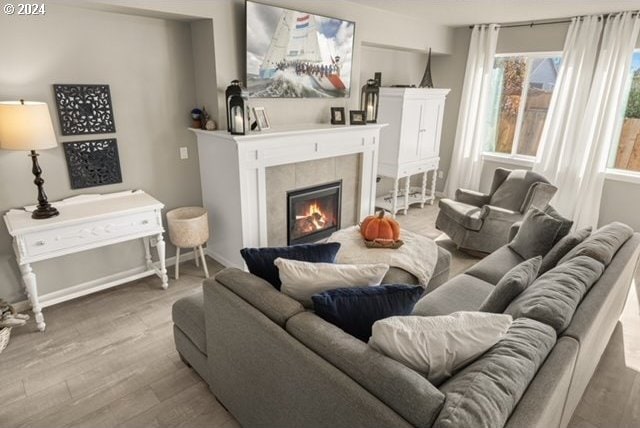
(466,163)
(559,143)
(604,113)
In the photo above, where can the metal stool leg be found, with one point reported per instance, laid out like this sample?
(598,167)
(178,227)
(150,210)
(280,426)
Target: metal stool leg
(177,275)
(204,262)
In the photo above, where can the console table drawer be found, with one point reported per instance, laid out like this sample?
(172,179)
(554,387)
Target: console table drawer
(38,243)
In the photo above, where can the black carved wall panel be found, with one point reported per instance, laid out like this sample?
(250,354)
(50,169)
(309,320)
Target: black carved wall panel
(84,109)
(93,163)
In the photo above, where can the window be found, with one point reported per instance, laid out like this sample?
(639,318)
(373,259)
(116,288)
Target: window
(627,155)
(522,88)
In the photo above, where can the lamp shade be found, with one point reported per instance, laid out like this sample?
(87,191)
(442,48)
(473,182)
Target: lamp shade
(26,126)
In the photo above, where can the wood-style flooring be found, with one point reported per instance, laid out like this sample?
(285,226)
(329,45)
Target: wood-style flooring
(108,360)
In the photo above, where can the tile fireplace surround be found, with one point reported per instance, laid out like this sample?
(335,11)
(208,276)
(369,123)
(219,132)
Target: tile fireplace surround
(235,171)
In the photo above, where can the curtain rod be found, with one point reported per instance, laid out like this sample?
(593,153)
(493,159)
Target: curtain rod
(549,21)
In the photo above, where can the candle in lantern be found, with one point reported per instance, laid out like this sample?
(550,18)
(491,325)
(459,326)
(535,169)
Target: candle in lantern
(238,122)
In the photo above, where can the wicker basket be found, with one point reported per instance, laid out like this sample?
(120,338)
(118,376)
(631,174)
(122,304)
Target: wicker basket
(5,333)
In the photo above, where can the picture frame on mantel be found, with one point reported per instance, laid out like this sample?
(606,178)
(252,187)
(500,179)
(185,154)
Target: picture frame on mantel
(261,118)
(338,116)
(357,117)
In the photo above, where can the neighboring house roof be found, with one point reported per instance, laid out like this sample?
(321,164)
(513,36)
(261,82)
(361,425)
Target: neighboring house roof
(545,71)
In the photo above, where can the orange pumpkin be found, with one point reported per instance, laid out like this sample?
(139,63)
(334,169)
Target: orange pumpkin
(381,228)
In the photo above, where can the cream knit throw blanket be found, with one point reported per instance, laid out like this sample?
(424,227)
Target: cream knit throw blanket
(418,255)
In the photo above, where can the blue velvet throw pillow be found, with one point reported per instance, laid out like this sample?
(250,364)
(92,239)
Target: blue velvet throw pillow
(355,310)
(260,260)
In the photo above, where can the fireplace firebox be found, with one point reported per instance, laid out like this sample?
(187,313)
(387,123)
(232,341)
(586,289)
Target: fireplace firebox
(313,213)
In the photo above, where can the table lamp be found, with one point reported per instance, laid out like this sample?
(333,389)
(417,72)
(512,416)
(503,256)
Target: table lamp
(26,125)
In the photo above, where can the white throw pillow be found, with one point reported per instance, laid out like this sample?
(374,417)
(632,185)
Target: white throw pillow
(437,346)
(301,280)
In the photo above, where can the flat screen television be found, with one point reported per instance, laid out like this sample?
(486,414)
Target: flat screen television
(293,54)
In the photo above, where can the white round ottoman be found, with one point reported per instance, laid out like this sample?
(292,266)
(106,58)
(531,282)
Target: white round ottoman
(189,228)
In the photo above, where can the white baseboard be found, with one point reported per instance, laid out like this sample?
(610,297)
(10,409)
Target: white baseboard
(98,284)
(221,259)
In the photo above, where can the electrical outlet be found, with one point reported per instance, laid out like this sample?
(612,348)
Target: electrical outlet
(440,174)
(184,153)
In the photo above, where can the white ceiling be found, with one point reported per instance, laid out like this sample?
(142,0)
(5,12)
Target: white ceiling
(466,12)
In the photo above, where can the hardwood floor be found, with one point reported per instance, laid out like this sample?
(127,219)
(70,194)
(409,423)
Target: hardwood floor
(108,360)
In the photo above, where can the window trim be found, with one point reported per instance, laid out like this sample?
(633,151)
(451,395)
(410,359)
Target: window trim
(513,157)
(624,175)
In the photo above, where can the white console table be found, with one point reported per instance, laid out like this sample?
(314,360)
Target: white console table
(86,222)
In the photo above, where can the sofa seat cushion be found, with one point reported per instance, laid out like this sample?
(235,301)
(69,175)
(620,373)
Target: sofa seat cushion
(493,267)
(602,244)
(188,315)
(554,297)
(462,293)
(355,310)
(465,215)
(484,393)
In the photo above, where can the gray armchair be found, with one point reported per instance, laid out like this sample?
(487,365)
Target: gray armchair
(481,222)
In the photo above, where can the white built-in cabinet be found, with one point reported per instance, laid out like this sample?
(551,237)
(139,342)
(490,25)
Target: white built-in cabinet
(410,145)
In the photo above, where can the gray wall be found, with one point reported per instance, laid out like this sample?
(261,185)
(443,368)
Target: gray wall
(620,200)
(149,65)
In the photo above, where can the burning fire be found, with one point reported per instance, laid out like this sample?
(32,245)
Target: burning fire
(313,218)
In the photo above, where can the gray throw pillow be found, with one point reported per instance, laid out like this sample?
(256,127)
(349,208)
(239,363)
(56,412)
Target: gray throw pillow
(602,244)
(511,285)
(562,247)
(484,393)
(553,298)
(537,235)
(566,223)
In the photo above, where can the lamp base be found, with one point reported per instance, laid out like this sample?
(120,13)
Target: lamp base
(43,212)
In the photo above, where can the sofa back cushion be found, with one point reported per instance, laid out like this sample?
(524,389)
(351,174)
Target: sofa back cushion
(603,244)
(511,285)
(404,390)
(438,346)
(355,310)
(484,393)
(562,247)
(553,298)
(260,260)
(537,234)
(514,189)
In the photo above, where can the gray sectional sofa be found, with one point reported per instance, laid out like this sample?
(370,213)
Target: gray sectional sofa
(271,363)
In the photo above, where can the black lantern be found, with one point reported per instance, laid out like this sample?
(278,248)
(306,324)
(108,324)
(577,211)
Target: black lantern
(237,109)
(369,100)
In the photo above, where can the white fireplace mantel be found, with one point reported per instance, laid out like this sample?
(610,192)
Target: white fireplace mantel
(232,171)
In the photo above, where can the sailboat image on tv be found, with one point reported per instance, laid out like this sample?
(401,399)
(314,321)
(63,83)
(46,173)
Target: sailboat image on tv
(304,57)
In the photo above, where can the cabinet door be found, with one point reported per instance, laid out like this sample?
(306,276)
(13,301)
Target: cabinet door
(411,125)
(430,128)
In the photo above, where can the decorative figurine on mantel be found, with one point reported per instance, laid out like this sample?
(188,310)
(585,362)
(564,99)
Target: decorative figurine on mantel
(196,117)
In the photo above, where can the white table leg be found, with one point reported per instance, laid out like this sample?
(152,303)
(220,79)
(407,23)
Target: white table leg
(434,174)
(147,252)
(394,198)
(424,189)
(407,189)
(30,285)
(160,246)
